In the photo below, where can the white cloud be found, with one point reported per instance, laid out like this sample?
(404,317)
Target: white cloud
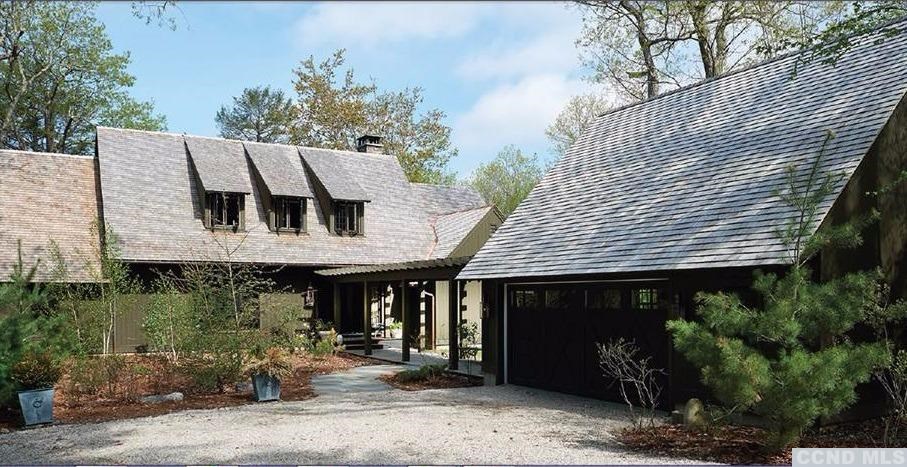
(377,23)
(550,53)
(515,113)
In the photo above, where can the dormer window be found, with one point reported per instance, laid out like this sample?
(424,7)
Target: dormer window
(288,214)
(348,217)
(224,210)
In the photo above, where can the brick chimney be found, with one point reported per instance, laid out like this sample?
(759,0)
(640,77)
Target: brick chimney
(370,144)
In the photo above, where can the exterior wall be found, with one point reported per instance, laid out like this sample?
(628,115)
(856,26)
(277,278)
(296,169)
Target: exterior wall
(892,152)
(884,242)
(478,236)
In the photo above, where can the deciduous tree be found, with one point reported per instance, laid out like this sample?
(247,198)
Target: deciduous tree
(508,179)
(577,115)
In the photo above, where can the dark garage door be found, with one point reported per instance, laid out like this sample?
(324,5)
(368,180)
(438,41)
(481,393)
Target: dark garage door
(553,329)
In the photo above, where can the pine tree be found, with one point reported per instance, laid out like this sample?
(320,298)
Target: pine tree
(792,360)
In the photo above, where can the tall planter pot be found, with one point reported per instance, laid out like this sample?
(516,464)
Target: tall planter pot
(265,388)
(37,406)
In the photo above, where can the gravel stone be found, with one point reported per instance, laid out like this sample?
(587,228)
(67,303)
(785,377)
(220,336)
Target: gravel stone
(477,425)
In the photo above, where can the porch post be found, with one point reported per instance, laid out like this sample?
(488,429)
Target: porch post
(335,288)
(366,319)
(453,324)
(404,318)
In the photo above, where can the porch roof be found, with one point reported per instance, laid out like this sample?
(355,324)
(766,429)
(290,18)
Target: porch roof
(434,269)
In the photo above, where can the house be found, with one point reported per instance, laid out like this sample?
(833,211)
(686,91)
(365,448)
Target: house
(662,199)
(168,199)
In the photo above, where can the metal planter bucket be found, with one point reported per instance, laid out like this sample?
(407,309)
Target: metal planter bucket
(265,388)
(37,406)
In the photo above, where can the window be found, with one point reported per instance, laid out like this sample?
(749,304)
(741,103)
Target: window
(348,218)
(525,299)
(604,299)
(224,210)
(288,214)
(560,299)
(645,299)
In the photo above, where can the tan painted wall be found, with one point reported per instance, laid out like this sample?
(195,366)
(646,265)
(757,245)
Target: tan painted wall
(471,312)
(478,236)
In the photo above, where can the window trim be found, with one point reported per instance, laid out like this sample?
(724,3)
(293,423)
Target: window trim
(273,214)
(209,211)
(358,215)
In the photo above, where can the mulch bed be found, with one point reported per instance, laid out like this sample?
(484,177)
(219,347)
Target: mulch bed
(445,381)
(744,445)
(82,409)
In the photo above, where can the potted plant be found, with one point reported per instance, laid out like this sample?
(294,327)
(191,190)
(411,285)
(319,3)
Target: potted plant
(324,329)
(266,373)
(396,329)
(36,374)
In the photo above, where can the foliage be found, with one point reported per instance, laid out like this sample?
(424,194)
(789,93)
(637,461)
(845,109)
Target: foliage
(423,373)
(894,382)
(213,372)
(113,282)
(170,323)
(395,325)
(508,179)
(335,110)
(469,340)
(61,78)
(793,360)
(259,114)
(25,327)
(325,347)
(839,35)
(642,47)
(275,362)
(621,362)
(576,116)
(36,370)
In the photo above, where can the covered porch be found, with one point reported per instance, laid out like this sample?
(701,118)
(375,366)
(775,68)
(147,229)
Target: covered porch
(414,312)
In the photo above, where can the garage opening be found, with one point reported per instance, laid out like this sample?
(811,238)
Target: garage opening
(553,330)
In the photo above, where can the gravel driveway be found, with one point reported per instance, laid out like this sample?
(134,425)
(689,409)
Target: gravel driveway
(479,425)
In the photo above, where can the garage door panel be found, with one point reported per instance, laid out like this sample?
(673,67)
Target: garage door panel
(553,342)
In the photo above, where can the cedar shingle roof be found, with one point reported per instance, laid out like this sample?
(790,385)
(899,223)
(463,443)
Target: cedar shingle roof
(686,180)
(281,169)
(151,201)
(220,164)
(43,198)
(332,173)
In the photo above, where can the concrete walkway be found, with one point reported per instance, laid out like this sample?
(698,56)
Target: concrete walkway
(393,352)
(359,379)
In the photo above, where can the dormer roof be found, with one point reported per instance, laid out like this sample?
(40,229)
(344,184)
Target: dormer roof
(329,169)
(280,168)
(220,164)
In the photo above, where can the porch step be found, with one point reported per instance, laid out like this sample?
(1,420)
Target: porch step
(356,341)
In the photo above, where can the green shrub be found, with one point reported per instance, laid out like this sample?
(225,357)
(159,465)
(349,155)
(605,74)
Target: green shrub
(323,348)
(423,373)
(212,373)
(36,370)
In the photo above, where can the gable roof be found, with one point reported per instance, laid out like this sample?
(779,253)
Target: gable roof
(220,164)
(48,198)
(450,229)
(280,168)
(331,172)
(159,218)
(439,199)
(686,180)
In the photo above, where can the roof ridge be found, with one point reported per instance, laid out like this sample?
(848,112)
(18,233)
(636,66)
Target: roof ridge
(460,211)
(232,140)
(44,153)
(767,61)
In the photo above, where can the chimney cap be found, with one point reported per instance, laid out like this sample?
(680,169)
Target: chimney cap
(369,143)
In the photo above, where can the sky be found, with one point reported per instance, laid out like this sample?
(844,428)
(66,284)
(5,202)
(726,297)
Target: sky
(500,71)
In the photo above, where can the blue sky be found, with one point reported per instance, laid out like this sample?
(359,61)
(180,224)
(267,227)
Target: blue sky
(501,71)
